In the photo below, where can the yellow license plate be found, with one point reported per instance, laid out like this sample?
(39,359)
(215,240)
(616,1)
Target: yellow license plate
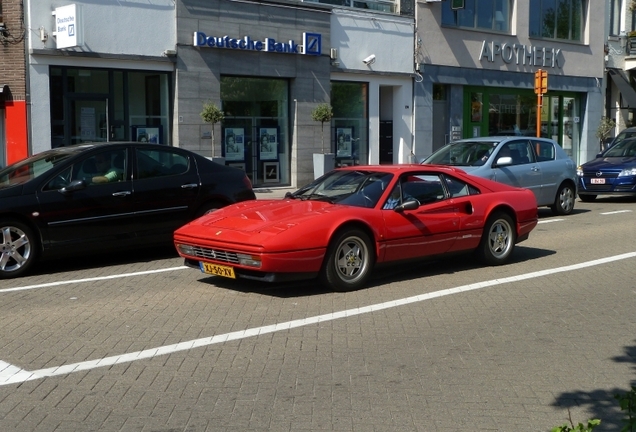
(217,270)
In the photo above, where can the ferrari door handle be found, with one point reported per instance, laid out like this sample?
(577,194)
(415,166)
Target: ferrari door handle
(189,186)
(121,194)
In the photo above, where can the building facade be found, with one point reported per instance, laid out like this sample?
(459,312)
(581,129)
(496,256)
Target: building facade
(403,78)
(477,67)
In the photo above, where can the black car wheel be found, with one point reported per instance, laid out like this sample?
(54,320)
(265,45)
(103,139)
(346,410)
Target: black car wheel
(17,249)
(564,201)
(349,261)
(498,240)
(587,198)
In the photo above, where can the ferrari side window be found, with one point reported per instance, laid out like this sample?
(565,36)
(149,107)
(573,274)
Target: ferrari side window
(458,188)
(425,188)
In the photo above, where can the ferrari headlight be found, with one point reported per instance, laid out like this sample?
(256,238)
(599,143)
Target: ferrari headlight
(579,171)
(185,249)
(249,260)
(628,172)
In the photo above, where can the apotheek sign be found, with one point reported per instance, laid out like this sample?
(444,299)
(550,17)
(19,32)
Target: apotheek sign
(521,54)
(312,44)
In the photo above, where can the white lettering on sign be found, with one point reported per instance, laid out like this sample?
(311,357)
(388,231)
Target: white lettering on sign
(520,54)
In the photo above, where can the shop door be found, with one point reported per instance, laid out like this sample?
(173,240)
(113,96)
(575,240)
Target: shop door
(254,145)
(89,120)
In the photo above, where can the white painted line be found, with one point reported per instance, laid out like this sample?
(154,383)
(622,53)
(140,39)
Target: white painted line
(550,220)
(75,281)
(12,375)
(616,212)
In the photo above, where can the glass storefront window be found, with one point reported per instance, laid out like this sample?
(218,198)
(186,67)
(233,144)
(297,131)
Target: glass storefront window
(507,113)
(255,127)
(350,122)
(108,105)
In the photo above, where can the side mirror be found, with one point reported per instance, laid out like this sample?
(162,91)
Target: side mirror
(503,161)
(407,205)
(73,186)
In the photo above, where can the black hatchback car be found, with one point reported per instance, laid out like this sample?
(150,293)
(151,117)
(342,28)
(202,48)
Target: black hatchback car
(99,197)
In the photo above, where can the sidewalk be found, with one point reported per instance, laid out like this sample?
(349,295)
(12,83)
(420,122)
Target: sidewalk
(272,193)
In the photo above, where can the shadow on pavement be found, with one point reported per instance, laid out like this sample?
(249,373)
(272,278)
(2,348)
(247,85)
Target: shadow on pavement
(601,402)
(100,260)
(382,275)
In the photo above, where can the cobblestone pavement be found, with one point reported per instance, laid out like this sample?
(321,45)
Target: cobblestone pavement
(140,343)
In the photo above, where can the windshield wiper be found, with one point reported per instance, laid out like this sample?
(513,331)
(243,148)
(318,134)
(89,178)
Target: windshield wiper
(318,197)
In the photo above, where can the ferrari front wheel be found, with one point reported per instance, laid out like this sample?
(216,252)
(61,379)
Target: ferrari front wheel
(348,261)
(498,239)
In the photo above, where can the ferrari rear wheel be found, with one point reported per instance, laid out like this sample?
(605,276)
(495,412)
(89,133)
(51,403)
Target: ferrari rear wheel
(349,261)
(498,239)
(17,249)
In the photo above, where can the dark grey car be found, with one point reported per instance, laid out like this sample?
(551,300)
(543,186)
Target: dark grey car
(538,164)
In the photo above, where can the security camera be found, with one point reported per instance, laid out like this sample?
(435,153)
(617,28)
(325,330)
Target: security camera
(369,60)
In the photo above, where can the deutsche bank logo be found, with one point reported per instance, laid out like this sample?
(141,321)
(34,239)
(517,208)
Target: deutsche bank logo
(312,43)
(71,29)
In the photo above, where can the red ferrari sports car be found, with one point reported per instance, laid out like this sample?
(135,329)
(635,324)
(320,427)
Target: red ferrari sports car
(351,219)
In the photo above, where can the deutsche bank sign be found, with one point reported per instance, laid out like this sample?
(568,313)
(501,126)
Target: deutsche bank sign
(312,44)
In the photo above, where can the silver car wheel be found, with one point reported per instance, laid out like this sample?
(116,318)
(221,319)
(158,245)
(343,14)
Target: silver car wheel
(500,238)
(348,261)
(15,249)
(564,203)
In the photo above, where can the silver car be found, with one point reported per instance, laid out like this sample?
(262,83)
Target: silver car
(538,164)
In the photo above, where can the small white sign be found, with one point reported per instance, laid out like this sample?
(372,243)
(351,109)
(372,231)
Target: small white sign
(67,26)
(577,120)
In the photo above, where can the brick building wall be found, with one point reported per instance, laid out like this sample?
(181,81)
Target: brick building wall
(12,40)
(13,80)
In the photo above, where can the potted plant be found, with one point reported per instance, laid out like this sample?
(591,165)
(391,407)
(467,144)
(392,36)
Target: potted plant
(323,162)
(212,114)
(604,130)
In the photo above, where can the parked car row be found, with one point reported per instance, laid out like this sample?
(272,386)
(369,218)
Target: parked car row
(100,197)
(475,195)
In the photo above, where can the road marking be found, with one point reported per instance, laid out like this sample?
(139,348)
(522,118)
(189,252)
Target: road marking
(616,212)
(10,374)
(550,220)
(75,281)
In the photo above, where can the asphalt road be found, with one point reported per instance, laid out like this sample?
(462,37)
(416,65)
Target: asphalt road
(136,342)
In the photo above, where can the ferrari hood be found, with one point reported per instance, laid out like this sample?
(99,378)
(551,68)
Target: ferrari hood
(259,218)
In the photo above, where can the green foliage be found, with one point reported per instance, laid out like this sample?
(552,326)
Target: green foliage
(627,402)
(212,114)
(591,424)
(322,113)
(605,128)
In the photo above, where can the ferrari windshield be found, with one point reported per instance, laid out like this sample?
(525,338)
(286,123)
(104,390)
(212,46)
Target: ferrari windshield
(30,168)
(625,148)
(358,188)
(463,153)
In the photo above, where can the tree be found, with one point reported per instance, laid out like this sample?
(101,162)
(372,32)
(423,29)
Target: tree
(322,113)
(212,114)
(605,128)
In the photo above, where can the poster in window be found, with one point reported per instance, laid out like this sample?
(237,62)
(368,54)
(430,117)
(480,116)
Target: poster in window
(234,144)
(268,143)
(343,142)
(147,134)
(270,172)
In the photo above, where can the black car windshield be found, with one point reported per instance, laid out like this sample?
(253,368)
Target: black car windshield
(358,188)
(623,136)
(464,153)
(30,168)
(625,148)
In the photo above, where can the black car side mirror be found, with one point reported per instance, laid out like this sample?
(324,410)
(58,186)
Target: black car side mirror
(73,186)
(408,205)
